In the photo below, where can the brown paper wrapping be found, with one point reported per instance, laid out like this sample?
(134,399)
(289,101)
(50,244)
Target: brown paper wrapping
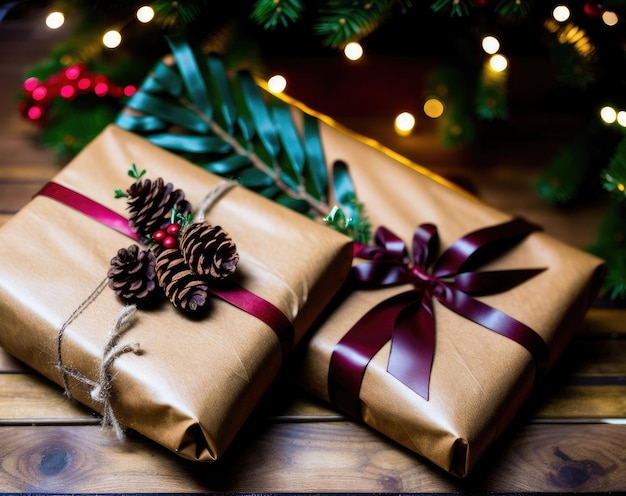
(196,381)
(479,379)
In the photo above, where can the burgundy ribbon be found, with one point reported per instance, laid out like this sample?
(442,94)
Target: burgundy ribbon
(237,296)
(407,319)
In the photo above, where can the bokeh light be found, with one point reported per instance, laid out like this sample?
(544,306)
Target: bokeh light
(404,123)
(353,51)
(55,20)
(145,14)
(112,39)
(277,83)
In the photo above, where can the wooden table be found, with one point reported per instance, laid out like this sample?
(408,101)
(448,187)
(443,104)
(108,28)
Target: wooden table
(571,437)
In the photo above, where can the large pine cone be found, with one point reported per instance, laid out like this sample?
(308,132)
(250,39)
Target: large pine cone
(186,290)
(208,250)
(132,275)
(150,205)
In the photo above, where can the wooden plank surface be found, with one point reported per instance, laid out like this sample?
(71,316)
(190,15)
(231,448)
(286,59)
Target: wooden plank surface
(571,436)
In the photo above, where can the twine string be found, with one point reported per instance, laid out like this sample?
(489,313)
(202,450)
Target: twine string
(100,389)
(212,197)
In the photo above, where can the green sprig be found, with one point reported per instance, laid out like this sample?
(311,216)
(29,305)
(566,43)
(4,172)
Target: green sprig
(356,226)
(134,172)
(176,216)
(614,175)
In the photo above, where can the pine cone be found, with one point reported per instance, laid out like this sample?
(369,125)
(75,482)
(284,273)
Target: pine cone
(185,289)
(150,205)
(208,250)
(132,275)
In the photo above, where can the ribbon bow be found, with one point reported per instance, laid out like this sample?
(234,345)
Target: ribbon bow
(408,318)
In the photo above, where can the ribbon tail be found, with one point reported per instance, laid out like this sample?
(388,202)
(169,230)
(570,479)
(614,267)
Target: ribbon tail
(413,346)
(356,349)
(499,322)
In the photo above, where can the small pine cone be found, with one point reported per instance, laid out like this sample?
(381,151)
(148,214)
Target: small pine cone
(132,275)
(208,250)
(150,205)
(185,289)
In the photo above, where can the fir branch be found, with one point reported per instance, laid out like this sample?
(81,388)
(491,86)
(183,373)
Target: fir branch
(343,21)
(180,13)
(271,13)
(514,9)
(454,7)
(562,179)
(614,176)
(615,280)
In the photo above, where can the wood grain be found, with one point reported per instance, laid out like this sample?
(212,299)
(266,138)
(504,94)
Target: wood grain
(316,457)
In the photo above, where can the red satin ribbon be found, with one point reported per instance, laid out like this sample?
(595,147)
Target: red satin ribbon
(407,319)
(235,295)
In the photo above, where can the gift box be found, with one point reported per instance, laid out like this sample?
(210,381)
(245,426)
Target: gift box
(474,305)
(469,348)
(187,381)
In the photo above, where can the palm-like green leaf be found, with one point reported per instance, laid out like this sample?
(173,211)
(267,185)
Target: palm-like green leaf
(229,126)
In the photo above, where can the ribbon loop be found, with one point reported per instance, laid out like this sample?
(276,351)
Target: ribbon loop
(425,245)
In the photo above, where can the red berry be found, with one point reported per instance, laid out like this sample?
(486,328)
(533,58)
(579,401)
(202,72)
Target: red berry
(170,242)
(173,229)
(159,235)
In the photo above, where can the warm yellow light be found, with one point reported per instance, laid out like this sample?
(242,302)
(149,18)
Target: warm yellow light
(112,39)
(621,187)
(621,118)
(277,83)
(491,44)
(55,20)
(404,123)
(353,51)
(145,14)
(608,114)
(561,13)
(433,108)
(609,18)
(498,63)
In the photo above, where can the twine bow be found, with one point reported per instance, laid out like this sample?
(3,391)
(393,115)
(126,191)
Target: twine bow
(407,319)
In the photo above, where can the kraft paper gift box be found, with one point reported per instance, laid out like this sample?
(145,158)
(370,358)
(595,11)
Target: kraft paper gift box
(194,381)
(479,378)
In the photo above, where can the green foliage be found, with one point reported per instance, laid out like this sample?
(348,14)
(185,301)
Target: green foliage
(228,126)
(561,180)
(273,13)
(453,7)
(610,245)
(342,21)
(614,176)
(570,66)
(491,95)
(173,15)
(453,87)
(357,227)
(76,123)
(514,9)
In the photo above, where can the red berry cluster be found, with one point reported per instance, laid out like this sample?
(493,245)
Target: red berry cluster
(167,237)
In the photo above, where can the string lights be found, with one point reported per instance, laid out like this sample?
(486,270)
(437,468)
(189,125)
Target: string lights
(66,86)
